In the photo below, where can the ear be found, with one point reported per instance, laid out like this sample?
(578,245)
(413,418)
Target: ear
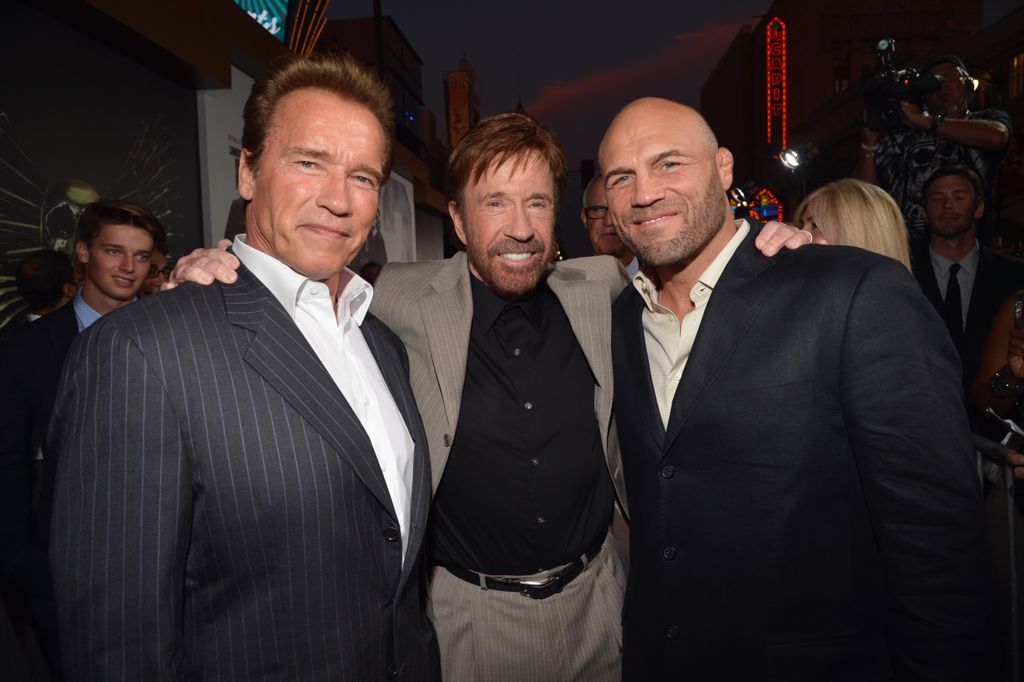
(724,163)
(82,252)
(460,229)
(246,175)
(979,210)
(69,289)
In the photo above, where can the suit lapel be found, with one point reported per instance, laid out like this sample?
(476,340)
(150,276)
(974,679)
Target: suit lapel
(394,372)
(925,275)
(586,305)
(633,371)
(735,303)
(447,311)
(281,355)
(983,290)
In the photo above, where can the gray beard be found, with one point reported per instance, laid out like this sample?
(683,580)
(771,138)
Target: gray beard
(702,223)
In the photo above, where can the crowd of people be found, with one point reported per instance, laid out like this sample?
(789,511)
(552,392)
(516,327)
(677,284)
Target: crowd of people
(730,451)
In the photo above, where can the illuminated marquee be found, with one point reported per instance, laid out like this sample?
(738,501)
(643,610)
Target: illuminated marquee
(766,207)
(775,80)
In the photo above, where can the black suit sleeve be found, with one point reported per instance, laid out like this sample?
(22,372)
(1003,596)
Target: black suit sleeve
(121,514)
(16,426)
(916,464)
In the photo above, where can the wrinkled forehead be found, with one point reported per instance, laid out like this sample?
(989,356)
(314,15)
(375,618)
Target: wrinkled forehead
(646,132)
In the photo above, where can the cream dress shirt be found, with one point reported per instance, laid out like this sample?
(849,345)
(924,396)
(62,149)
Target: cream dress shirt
(670,341)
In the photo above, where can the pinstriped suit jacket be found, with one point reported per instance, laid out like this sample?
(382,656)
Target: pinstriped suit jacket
(220,512)
(430,306)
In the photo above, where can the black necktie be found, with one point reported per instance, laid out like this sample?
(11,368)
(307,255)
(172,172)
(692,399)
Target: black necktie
(952,310)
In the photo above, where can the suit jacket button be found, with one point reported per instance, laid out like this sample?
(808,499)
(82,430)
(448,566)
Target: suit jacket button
(668,471)
(669,552)
(392,534)
(390,672)
(672,632)
(447,440)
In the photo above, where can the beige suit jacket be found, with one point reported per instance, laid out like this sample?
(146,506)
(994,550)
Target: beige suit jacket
(430,307)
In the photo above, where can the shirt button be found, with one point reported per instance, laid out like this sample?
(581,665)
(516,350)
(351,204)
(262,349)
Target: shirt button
(516,352)
(528,405)
(669,553)
(672,632)
(668,471)
(392,534)
(541,520)
(535,461)
(447,440)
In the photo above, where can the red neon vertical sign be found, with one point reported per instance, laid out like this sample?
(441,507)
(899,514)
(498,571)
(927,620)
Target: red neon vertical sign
(775,79)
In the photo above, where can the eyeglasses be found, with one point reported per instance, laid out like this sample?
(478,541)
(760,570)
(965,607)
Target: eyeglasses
(595,212)
(154,271)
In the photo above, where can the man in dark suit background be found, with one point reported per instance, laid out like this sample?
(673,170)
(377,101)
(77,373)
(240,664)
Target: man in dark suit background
(244,480)
(46,280)
(982,279)
(115,240)
(802,495)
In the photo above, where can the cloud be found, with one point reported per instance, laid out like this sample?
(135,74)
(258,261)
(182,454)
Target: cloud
(676,70)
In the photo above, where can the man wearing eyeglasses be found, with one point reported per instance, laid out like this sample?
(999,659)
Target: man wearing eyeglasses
(159,271)
(601,231)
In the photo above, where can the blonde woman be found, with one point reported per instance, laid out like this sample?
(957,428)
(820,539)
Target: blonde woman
(855,213)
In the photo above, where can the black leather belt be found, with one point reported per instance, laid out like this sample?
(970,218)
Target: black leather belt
(542,588)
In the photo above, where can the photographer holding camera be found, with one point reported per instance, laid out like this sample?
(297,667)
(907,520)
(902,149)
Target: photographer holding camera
(903,142)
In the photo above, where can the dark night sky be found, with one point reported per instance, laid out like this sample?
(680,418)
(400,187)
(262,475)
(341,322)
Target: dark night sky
(573,68)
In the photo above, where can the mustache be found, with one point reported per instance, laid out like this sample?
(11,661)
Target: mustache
(533,245)
(636,215)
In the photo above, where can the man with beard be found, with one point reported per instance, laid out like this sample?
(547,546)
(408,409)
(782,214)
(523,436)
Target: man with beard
(964,280)
(800,473)
(511,367)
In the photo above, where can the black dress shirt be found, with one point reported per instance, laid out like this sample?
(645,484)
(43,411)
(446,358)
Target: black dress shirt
(526,487)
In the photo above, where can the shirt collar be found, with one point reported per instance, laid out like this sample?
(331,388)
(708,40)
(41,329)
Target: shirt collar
(708,279)
(84,313)
(286,285)
(968,263)
(488,306)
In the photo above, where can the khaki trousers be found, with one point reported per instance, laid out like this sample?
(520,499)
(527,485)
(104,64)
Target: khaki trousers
(494,636)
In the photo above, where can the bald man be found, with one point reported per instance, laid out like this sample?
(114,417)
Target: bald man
(798,464)
(600,229)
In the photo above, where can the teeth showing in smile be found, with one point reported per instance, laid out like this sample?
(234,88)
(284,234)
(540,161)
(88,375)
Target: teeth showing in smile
(515,256)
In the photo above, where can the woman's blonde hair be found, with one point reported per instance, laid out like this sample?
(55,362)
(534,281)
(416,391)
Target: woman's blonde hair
(856,213)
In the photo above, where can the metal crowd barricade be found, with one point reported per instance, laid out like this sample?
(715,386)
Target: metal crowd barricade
(989,451)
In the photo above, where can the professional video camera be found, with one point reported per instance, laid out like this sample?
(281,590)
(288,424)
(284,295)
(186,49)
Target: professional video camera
(884,91)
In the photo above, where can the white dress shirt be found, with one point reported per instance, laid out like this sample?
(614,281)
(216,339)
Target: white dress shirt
(340,346)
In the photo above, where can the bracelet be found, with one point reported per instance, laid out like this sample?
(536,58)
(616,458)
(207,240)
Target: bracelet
(871,149)
(1000,388)
(866,155)
(937,120)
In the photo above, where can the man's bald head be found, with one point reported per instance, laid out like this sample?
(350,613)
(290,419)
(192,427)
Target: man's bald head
(656,108)
(665,181)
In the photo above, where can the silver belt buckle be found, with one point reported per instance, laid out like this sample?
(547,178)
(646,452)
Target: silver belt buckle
(543,582)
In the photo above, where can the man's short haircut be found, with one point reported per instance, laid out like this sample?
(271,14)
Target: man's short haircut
(960,171)
(336,73)
(119,212)
(500,138)
(41,276)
